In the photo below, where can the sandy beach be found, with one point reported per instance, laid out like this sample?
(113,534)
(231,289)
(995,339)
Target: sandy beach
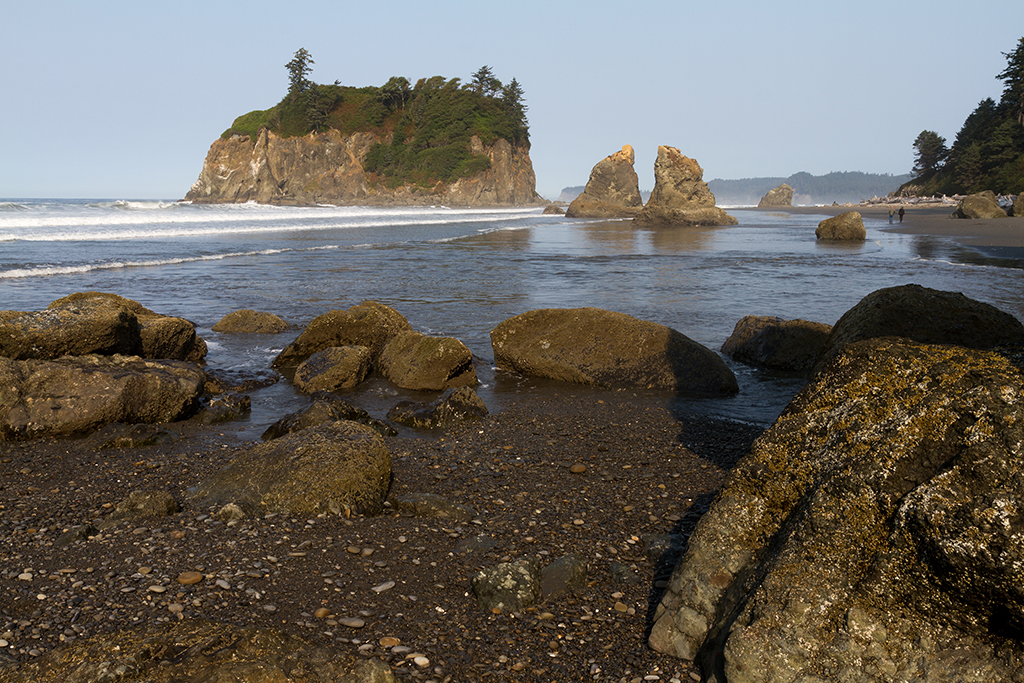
(1005,233)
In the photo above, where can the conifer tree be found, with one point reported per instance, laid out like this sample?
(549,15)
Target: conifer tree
(298,69)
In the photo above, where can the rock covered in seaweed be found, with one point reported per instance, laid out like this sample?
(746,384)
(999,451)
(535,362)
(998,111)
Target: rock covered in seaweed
(368,324)
(869,534)
(609,349)
(847,226)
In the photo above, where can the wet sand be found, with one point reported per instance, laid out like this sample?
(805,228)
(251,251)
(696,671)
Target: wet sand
(1004,233)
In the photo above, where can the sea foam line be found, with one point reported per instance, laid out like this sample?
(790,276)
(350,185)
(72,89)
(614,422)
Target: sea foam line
(115,265)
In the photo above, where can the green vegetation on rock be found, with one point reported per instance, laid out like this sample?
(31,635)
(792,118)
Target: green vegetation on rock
(988,153)
(424,131)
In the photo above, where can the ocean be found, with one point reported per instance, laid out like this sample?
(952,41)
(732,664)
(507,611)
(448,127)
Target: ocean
(460,272)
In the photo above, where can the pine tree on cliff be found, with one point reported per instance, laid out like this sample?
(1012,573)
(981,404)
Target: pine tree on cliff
(1013,81)
(298,69)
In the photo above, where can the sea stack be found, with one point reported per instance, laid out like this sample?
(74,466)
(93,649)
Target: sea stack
(613,190)
(778,196)
(680,196)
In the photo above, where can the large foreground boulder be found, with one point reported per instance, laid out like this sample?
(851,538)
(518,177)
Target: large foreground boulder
(780,196)
(413,360)
(78,394)
(929,316)
(368,324)
(776,344)
(871,534)
(613,190)
(197,650)
(680,196)
(608,349)
(981,205)
(341,467)
(848,226)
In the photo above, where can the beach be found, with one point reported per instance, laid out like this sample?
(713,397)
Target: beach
(614,478)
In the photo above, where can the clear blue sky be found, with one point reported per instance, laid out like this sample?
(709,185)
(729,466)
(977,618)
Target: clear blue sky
(122,99)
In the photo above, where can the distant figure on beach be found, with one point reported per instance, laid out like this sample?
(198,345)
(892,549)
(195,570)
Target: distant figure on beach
(892,212)
(901,214)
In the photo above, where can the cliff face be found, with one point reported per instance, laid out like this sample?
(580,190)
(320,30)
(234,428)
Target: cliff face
(327,168)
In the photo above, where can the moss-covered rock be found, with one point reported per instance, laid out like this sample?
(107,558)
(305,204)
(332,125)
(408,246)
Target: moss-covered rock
(413,360)
(368,324)
(869,533)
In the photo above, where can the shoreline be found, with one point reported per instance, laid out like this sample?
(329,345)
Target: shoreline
(1000,233)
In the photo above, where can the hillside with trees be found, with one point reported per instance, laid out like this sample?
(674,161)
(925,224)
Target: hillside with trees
(425,128)
(988,152)
(840,186)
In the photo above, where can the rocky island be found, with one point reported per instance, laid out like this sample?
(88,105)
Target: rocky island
(435,142)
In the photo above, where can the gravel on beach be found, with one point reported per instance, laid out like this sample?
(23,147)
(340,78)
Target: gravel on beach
(617,482)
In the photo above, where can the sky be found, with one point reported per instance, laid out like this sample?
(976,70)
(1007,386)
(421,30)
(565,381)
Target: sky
(121,100)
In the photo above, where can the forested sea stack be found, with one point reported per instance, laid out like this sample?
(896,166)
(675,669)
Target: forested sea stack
(437,142)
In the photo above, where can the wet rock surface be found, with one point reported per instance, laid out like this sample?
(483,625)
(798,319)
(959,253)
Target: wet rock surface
(869,534)
(777,344)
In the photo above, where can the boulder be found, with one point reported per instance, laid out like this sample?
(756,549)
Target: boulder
(680,195)
(200,650)
(341,467)
(1018,206)
(870,534)
(415,361)
(613,190)
(221,380)
(91,326)
(553,210)
(509,586)
(565,575)
(981,205)
(929,316)
(777,197)
(455,405)
(224,408)
(776,344)
(368,324)
(846,226)
(326,407)
(78,394)
(336,367)
(608,349)
(160,336)
(248,321)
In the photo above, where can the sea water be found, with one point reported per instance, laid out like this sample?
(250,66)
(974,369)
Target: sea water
(460,272)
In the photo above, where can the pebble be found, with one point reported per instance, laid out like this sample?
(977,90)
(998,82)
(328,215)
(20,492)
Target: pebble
(352,622)
(269,608)
(620,607)
(322,613)
(189,578)
(578,468)
(389,641)
(221,583)
(421,661)
(3,643)
(25,576)
(176,607)
(157,589)
(387,585)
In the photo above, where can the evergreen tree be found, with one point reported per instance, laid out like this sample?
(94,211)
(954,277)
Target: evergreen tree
(931,152)
(484,82)
(298,69)
(1013,82)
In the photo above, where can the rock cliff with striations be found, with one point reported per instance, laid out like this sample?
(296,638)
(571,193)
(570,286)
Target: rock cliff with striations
(328,168)
(680,196)
(613,190)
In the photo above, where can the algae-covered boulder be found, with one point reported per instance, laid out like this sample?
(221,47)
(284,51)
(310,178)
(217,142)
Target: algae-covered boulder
(336,367)
(980,205)
(871,534)
(368,324)
(848,226)
(79,394)
(336,467)
(608,349)
(454,406)
(248,321)
(413,360)
(776,344)
(930,316)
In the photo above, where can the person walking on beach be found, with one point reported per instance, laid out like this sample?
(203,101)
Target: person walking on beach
(901,214)
(892,212)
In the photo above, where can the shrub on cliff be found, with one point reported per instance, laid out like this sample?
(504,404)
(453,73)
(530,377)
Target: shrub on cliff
(425,131)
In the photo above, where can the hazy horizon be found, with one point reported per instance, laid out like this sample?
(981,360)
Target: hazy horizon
(122,100)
